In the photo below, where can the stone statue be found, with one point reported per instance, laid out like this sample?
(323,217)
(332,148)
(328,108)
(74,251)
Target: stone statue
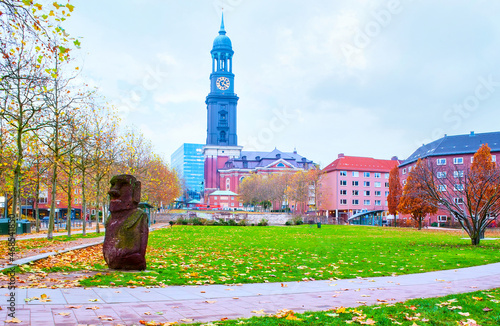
(127,230)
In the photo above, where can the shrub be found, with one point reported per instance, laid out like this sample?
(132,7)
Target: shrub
(297,220)
(196,221)
(434,224)
(232,222)
(242,223)
(181,221)
(171,223)
(288,222)
(263,222)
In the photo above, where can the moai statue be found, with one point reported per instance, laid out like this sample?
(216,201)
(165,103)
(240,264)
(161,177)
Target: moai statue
(127,230)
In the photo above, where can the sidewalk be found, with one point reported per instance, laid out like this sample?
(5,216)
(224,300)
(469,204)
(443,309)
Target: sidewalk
(127,306)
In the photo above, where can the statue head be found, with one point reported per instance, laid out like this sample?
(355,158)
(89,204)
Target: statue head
(125,193)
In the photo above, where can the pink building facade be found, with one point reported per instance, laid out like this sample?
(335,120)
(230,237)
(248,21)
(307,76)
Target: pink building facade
(352,185)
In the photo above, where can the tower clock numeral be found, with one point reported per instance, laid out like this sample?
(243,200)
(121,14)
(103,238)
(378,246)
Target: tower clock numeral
(222,83)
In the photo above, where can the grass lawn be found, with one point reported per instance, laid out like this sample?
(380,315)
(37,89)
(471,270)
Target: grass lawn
(225,255)
(27,244)
(472,309)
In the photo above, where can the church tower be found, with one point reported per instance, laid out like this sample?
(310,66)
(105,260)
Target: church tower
(222,139)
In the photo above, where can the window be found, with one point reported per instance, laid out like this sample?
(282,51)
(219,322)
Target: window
(280,165)
(355,192)
(378,184)
(442,187)
(404,171)
(367,192)
(459,187)
(366,174)
(386,193)
(232,204)
(441,175)
(458,200)
(441,161)
(387,184)
(241,204)
(355,202)
(458,174)
(377,193)
(386,175)
(232,197)
(222,136)
(42,200)
(377,203)
(343,173)
(343,202)
(228,184)
(377,175)
(442,218)
(458,160)
(215,197)
(355,174)
(410,168)
(472,159)
(343,192)
(493,158)
(343,182)
(366,202)
(366,183)
(404,182)
(355,183)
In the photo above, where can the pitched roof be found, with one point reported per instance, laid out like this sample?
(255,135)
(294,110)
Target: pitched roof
(459,144)
(354,163)
(223,193)
(252,160)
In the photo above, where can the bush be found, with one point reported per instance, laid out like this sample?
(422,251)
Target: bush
(242,223)
(434,224)
(196,221)
(232,222)
(181,221)
(297,220)
(288,222)
(171,223)
(263,222)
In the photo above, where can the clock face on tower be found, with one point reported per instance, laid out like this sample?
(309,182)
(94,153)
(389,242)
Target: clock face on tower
(222,83)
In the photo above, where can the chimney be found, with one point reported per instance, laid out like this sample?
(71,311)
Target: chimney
(278,155)
(394,158)
(472,134)
(341,155)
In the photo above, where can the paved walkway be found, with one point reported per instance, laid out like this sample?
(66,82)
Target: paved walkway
(127,306)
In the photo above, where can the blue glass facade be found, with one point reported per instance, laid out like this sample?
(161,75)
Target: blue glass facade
(188,161)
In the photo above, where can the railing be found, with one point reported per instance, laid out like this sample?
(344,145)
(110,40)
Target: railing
(62,224)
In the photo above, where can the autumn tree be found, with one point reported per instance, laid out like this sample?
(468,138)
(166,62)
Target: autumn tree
(471,193)
(395,191)
(302,188)
(414,199)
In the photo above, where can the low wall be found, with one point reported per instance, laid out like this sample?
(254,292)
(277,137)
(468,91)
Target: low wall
(272,218)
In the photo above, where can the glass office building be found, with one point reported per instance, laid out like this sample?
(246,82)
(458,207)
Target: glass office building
(188,161)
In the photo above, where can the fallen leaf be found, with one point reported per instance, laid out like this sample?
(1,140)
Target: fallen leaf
(73,307)
(486,309)
(466,314)
(260,312)
(208,301)
(14,321)
(64,313)
(93,308)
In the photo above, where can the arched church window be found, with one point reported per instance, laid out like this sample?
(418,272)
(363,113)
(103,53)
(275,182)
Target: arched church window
(228,184)
(280,165)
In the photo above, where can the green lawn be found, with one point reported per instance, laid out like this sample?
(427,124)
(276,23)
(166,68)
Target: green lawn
(473,309)
(226,255)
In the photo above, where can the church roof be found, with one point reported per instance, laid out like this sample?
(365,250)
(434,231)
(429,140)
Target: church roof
(355,163)
(256,159)
(223,193)
(222,42)
(453,145)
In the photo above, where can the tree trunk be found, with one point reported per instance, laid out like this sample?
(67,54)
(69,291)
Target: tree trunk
(68,213)
(52,202)
(475,239)
(420,223)
(84,206)
(37,212)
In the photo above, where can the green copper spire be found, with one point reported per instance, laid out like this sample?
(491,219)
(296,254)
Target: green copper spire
(222,30)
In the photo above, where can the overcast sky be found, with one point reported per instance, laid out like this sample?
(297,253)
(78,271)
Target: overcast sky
(360,77)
